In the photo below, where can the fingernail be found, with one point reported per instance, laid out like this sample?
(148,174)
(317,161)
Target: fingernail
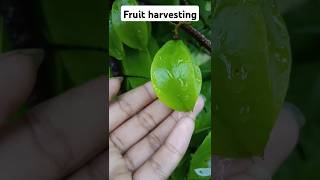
(36,54)
(119,78)
(299,117)
(203,97)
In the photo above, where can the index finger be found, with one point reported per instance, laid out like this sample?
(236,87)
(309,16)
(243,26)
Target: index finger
(114,86)
(129,104)
(168,156)
(58,136)
(18,71)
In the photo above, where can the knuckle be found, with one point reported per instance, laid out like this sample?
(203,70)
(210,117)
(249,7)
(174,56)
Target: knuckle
(175,117)
(173,149)
(189,117)
(125,106)
(146,120)
(42,132)
(128,160)
(157,168)
(154,141)
(117,142)
(150,94)
(112,148)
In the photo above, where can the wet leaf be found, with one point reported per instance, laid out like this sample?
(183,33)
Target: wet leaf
(252,61)
(133,34)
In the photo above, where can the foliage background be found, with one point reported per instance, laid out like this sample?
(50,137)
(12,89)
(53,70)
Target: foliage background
(74,34)
(303,21)
(135,67)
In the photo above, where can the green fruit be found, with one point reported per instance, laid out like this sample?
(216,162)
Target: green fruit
(175,78)
(133,34)
(115,45)
(252,61)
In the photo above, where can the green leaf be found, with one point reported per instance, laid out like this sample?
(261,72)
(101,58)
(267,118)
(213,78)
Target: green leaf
(286,6)
(116,49)
(200,167)
(203,122)
(109,72)
(175,77)
(180,172)
(200,57)
(82,66)
(206,70)
(165,2)
(137,65)
(133,34)
(153,46)
(75,22)
(84,32)
(252,61)
(205,9)
(203,60)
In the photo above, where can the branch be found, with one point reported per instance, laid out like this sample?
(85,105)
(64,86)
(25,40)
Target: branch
(202,39)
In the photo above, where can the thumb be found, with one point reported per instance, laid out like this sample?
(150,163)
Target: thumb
(18,71)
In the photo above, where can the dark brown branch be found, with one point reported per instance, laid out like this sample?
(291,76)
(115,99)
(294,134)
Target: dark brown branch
(202,39)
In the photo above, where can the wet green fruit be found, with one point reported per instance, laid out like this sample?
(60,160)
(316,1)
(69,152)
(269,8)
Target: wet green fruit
(175,78)
(133,34)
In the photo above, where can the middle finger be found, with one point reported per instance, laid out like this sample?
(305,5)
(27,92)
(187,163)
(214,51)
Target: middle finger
(139,125)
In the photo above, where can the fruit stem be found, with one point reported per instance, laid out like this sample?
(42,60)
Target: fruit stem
(176,30)
(198,36)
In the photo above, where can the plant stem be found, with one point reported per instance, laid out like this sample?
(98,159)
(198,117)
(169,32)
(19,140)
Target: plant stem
(202,39)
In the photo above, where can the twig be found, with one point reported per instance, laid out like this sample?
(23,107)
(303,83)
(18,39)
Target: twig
(202,39)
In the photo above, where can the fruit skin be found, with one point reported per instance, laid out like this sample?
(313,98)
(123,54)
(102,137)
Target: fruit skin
(133,34)
(252,62)
(175,78)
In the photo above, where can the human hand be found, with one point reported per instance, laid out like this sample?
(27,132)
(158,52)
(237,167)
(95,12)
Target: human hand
(282,141)
(147,139)
(62,138)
